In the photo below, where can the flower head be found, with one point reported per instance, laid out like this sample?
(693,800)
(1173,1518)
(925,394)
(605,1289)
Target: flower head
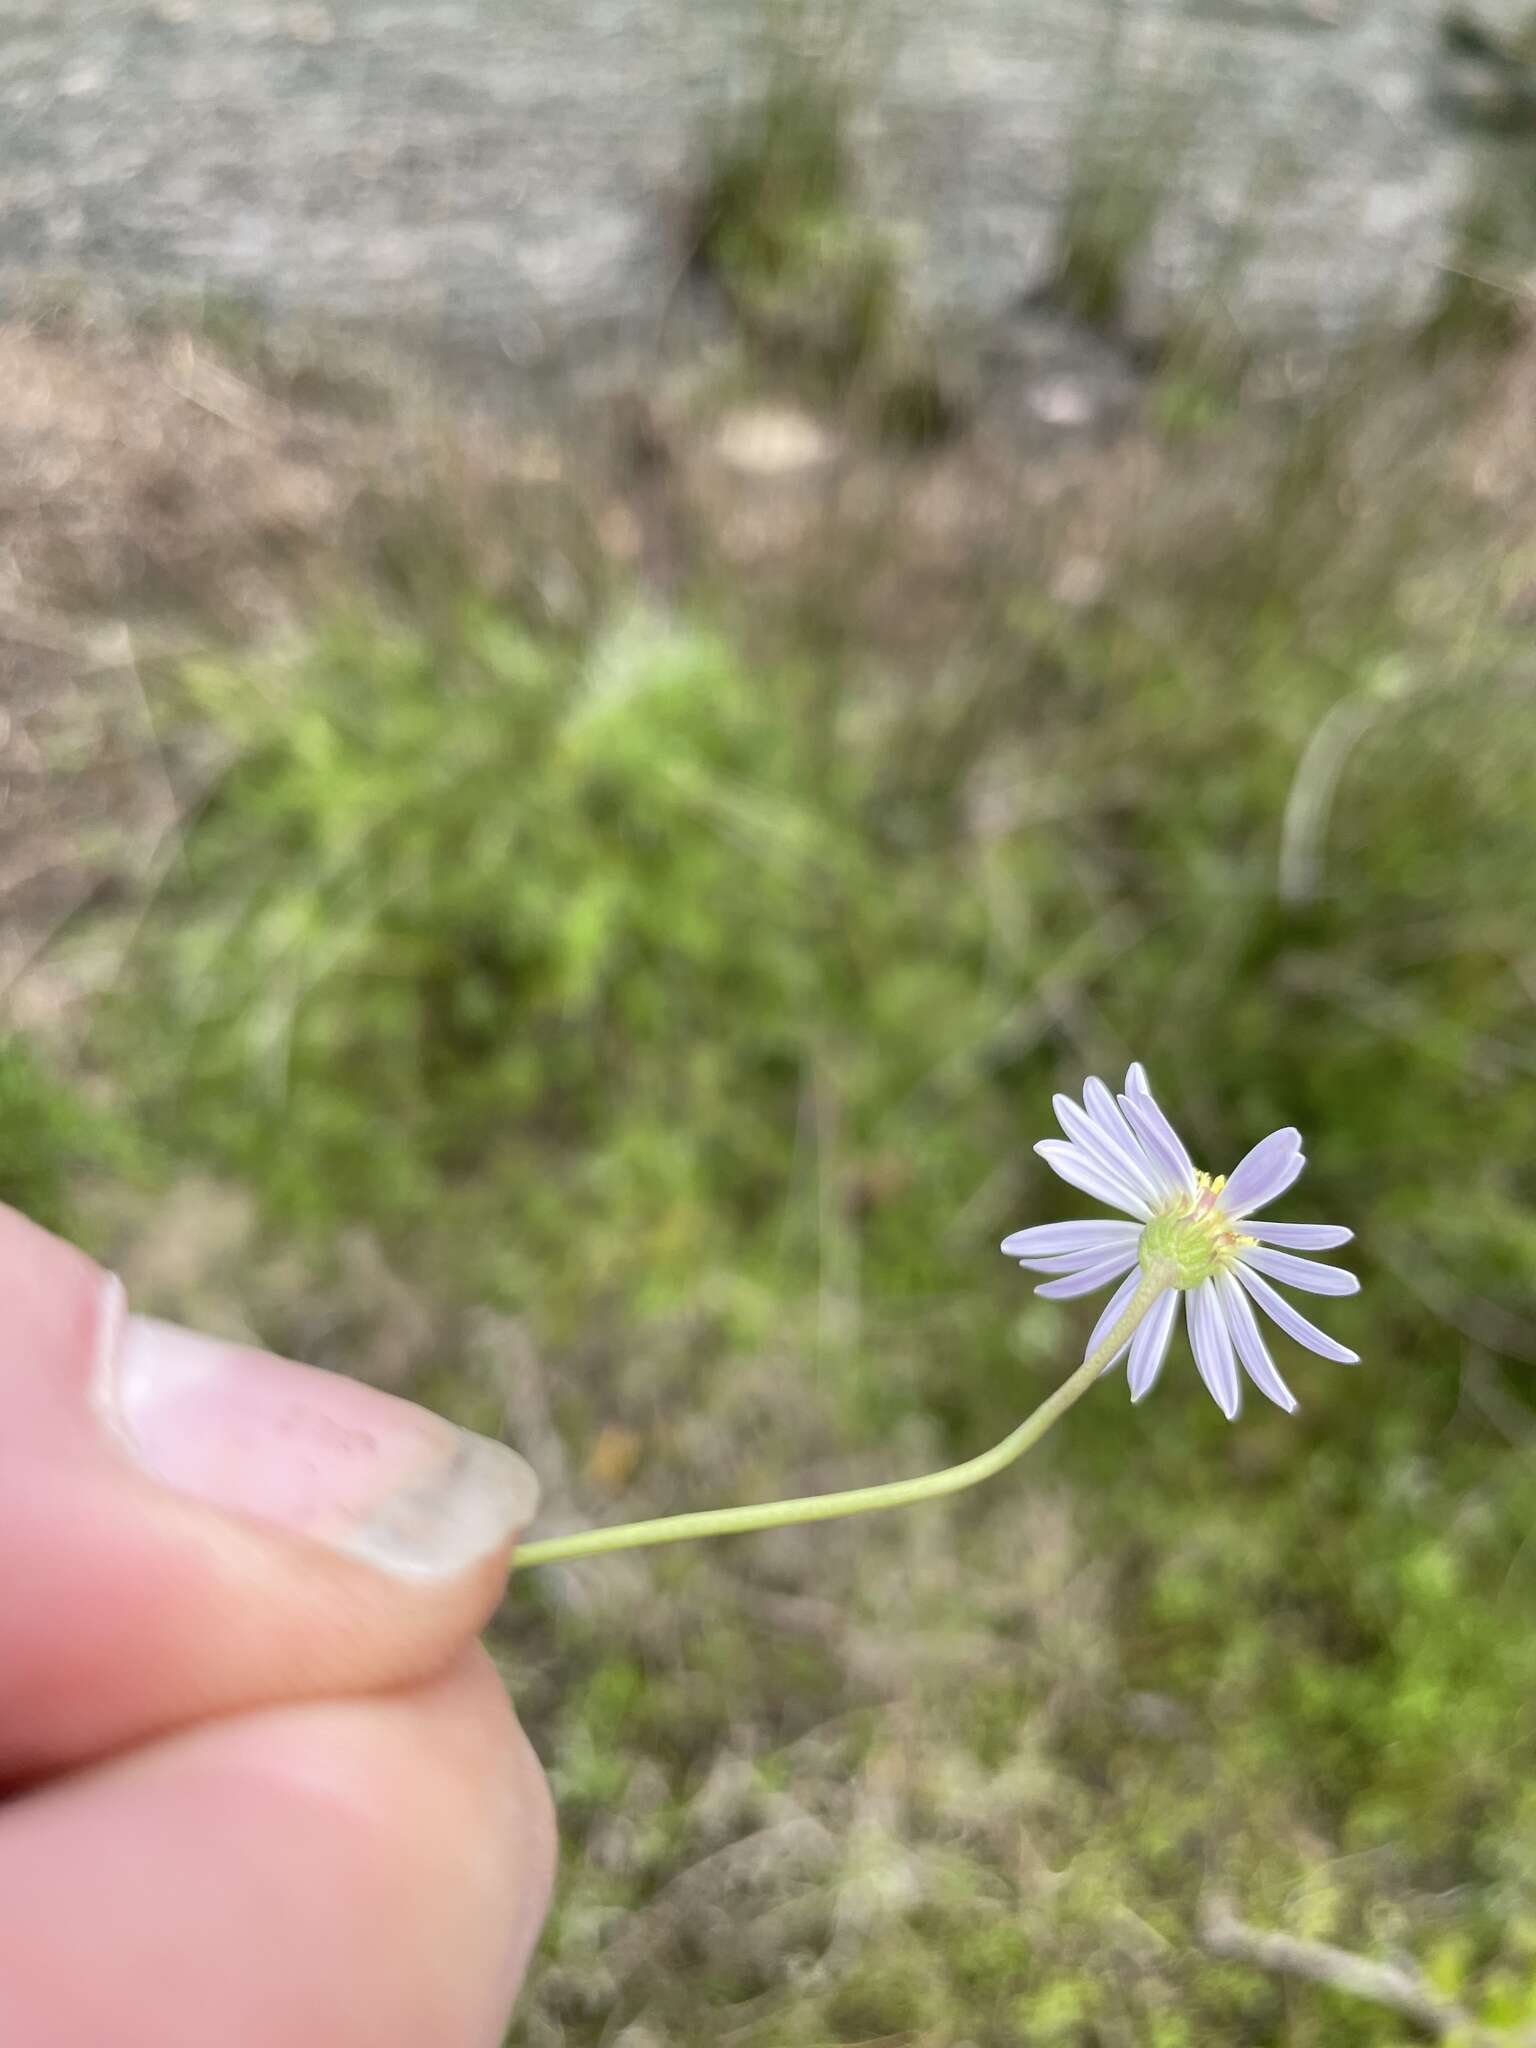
(1192,1235)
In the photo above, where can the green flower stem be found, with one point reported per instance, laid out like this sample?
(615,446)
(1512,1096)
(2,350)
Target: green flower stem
(859,1500)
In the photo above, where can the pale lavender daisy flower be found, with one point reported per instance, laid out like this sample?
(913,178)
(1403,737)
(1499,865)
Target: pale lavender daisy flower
(1191,1228)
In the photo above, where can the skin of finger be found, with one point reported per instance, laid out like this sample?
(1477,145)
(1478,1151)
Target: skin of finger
(126,1614)
(363,1873)
(127,1610)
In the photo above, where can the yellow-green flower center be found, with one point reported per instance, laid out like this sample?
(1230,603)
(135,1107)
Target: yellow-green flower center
(1188,1243)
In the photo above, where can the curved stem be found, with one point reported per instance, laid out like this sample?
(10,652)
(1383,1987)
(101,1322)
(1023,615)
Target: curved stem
(859,1500)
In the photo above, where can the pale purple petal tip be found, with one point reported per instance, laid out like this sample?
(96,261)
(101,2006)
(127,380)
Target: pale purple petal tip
(1263,1173)
(1162,1141)
(1292,1321)
(1106,1119)
(1251,1348)
(1212,1345)
(1149,1346)
(1115,1150)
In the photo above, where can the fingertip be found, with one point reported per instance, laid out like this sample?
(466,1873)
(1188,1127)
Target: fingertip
(61,1312)
(199,1528)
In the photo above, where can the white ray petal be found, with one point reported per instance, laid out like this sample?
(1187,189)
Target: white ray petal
(1292,1321)
(1161,1140)
(1128,1166)
(1045,1240)
(1114,1309)
(1251,1348)
(1074,1166)
(1310,1275)
(1262,1174)
(1106,1114)
(1126,1190)
(1301,1237)
(1073,1262)
(1149,1346)
(1211,1342)
(1088,1279)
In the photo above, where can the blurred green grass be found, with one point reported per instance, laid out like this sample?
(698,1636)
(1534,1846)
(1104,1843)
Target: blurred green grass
(603,967)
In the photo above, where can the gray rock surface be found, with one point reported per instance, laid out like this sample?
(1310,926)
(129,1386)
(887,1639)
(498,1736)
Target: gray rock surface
(498,168)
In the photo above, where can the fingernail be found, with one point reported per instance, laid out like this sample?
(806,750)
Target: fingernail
(313,1452)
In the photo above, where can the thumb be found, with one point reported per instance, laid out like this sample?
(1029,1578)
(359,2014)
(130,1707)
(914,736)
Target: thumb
(190,1527)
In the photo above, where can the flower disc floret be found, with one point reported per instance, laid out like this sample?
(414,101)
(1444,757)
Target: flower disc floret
(1193,1240)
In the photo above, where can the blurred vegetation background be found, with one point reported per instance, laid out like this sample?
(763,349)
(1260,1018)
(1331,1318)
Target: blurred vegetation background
(577,914)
